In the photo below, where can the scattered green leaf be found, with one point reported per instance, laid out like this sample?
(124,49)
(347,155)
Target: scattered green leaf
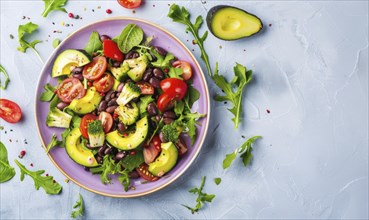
(6,171)
(182,16)
(51,5)
(46,182)
(217,180)
(244,150)
(241,78)
(48,94)
(24,30)
(56,42)
(201,197)
(6,76)
(54,142)
(78,207)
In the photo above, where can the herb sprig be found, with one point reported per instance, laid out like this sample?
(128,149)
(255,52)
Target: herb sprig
(202,197)
(51,5)
(7,172)
(46,182)
(79,209)
(245,150)
(6,76)
(54,142)
(24,30)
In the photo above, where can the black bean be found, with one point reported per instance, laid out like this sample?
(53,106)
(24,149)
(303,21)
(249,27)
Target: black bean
(113,95)
(108,95)
(101,151)
(121,127)
(169,114)
(62,105)
(112,102)
(172,61)
(120,87)
(129,55)
(158,73)
(152,110)
(116,64)
(162,138)
(104,37)
(157,118)
(102,106)
(99,159)
(135,55)
(134,174)
(161,51)
(167,120)
(181,146)
(155,82)
(78,76)
(77,70)
(147,75)
(135,99)
(111,109)
(107,151)
(120,155)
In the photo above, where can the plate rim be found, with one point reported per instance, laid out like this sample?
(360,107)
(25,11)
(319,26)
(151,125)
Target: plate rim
(207,97)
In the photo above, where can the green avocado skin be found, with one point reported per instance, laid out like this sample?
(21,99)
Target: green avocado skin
(215,9)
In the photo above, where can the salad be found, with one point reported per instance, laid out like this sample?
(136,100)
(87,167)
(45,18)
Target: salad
(125,106)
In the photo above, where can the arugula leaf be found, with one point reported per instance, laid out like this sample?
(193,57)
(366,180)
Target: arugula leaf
(49,94)
(175,73)
(79,208)
(94,43)
(131,36)
(54,142)
(3,71)
(51,5)
(7,172)
(217,180)
(144,102)
(24,30)
(182,16)
(241,78)
(56,42)
(201,197)
(192,96)
(244,150)
(46,182)
(179,107)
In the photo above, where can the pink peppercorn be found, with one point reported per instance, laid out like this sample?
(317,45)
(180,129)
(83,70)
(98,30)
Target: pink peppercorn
(71,15)
(22,153)
(109,11)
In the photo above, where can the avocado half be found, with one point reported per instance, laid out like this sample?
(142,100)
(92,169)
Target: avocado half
(231,23)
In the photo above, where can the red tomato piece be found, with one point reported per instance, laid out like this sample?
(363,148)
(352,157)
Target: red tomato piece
(87,119)
(186,68)
(174,87)
(106,121)
(69,89)
(143,171)
(112,51)
(95,69)
(10,111)
(130,3)
(146,88)
(165,102)
(105,83)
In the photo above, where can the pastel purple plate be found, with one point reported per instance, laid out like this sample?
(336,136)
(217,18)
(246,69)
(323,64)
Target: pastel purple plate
(77,173)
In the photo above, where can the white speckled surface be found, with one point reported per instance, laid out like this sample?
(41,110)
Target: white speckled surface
(311,72)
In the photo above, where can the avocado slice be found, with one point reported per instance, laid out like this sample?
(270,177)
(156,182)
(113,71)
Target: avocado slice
(231,23)
(87,103)
(77,151)
(131,141)
(165,161)
(67,60)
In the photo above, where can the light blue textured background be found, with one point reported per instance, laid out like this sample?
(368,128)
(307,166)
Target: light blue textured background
(311,72)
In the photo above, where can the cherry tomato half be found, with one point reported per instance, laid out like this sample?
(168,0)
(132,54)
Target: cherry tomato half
(10,111)
(165,102)
(105,83)
(95,69)
(130,3)
(106,121)
(69,89)
(112,51)
(152,150)
(186,68)
(174,87)
(87,119)
(146,88)
(143,171)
